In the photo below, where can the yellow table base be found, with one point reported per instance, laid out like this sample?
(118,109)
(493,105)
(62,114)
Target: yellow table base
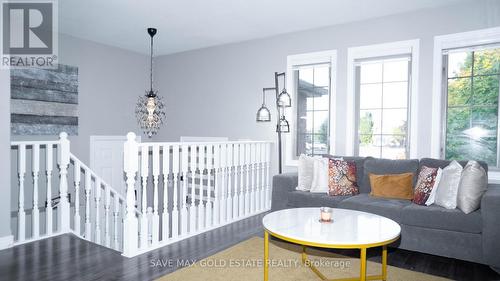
(362,273)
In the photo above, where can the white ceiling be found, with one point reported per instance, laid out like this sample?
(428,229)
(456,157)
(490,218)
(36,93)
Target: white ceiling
(193,24)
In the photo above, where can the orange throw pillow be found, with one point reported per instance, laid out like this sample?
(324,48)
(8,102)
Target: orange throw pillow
(397,186)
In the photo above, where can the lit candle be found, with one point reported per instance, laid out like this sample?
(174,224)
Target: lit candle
(326,213)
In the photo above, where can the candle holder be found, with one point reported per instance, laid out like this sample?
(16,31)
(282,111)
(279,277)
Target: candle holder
(325,215)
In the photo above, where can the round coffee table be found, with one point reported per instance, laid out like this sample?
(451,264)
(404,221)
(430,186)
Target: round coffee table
(349,230)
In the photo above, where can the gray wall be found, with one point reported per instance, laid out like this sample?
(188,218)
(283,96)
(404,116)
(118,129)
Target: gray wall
(5,152)
(110,80)
(216,91)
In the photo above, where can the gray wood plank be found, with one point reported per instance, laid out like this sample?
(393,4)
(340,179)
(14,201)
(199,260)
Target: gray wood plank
(27,93)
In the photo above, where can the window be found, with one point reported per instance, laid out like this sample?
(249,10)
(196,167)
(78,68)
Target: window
(382,102)
(311,83)
(471,92)
(312,86)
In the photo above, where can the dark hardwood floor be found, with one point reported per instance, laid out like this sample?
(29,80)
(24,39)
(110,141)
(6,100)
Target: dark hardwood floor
(67,257)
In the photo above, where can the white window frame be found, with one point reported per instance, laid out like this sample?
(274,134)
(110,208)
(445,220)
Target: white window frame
(411,47)
(322,57)
(451,41)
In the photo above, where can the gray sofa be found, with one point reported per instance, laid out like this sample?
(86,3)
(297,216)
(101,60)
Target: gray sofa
(429,229)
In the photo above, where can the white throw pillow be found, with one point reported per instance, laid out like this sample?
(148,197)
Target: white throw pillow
(473,185)
(306,170)
(446,193)
(432,195)
(320,178)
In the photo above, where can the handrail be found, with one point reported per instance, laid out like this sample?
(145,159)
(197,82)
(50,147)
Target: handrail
(17,143)
(141,144)
(95,176)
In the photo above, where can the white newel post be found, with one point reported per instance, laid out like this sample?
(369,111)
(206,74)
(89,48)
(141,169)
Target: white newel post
(130,164)
(63,162)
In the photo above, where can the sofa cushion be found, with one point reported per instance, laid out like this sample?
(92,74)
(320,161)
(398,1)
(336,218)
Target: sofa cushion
(437,217)
(301,199)
(360,164)
(390,208)
(386,166)
(440,163)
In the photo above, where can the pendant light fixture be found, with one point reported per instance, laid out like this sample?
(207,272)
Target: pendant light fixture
(283,100)
(150,110)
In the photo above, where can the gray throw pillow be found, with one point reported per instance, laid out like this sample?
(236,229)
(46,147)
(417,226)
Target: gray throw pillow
(305,169)
(473,185)
(446,194)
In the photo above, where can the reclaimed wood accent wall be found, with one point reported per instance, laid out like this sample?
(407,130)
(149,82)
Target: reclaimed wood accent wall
(44,101)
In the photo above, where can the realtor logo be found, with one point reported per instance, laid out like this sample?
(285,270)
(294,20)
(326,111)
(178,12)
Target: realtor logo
(29,34)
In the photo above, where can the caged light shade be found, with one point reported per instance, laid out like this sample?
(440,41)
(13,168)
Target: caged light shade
(284,99)
(283,126)
(263,114)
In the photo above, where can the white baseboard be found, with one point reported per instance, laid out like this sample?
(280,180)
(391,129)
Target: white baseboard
(6,242)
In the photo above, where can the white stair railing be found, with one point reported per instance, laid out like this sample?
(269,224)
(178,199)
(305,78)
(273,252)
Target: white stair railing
(203,185)
(174,190)
(87,214)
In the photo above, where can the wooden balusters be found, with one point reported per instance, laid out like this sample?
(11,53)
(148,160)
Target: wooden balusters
(97,198)
(223,183)
(155,228)
(35,214)
(88,189)
(268,166)
(21,213)
(234,192)
(201,169)
(263,177)
(260,176)
(143,236)
(241,193)
(252,167)
(184,176)
(176,177)
(229,198)
(247,177)
(192,206)
(77,179)
(217,202)
(107,206)
(258,202)
(48,209)
(116,218)
(166,181)
(209,202)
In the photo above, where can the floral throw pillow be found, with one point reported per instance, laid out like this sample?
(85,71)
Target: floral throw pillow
(425,183)
(342,178)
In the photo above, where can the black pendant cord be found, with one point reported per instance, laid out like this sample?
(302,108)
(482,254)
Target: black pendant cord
(151,65)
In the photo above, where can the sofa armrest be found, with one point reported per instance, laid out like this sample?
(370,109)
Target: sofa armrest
(282,185)
(490,211)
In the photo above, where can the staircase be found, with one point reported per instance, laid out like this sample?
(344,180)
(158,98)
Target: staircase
(86,205)
(174,190)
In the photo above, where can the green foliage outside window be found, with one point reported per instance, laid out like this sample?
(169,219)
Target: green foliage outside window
(472,115)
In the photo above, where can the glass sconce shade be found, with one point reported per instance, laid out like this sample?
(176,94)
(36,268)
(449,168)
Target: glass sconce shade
(283,126)
(284,99)
(263,114)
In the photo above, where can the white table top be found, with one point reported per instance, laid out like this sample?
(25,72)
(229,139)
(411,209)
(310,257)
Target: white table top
(349,228)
